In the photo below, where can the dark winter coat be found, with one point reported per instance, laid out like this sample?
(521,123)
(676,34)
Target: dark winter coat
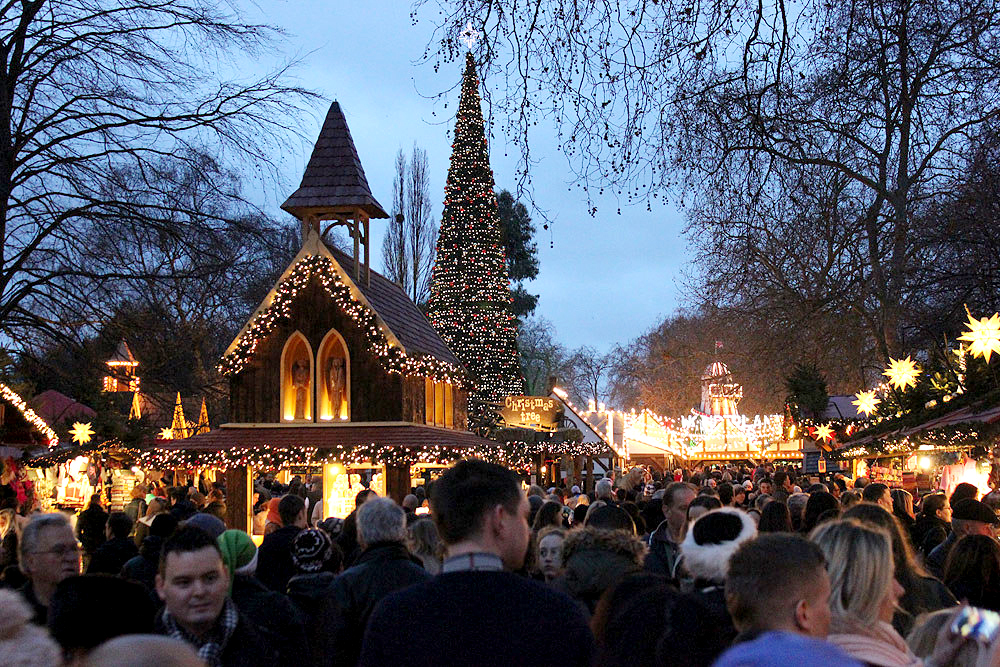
(274,558)
(183,510)
(307,592)
(939,556)
(40,611)
(928,532)
(472,619)
(112,555)
(922,595)
(143,568)
(90,528)
(595,560)
(276,615)
(664,554)
(382,568)
(248,646)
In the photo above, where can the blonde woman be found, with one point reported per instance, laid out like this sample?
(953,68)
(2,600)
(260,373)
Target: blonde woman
(864,592)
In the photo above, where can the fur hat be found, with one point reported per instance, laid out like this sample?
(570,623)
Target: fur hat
(712,539)
(21,642)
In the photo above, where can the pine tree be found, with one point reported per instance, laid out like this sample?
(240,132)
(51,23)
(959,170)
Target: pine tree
(470,301)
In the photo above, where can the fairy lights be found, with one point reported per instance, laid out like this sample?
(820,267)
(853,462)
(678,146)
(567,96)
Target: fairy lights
(321,268)
(32,418)
(470,299)
(268,457)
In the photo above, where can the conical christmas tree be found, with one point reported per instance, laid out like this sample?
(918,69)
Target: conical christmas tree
(470,302)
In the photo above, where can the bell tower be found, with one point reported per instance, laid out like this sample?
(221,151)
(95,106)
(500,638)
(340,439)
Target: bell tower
(334,190)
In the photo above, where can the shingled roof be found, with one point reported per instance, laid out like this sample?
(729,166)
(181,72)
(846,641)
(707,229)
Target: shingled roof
(334,180)
(400,314)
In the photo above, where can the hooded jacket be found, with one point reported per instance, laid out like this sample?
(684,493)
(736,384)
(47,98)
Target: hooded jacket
(594,560)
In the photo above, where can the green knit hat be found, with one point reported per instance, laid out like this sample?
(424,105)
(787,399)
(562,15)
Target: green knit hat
(238,551)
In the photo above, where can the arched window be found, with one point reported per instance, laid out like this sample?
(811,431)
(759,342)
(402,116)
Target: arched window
(333,379)
(297,380)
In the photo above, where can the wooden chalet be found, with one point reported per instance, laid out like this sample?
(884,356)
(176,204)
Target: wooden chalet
(337,369)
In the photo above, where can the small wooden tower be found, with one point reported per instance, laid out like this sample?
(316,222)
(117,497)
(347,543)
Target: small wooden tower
(334,189)
(122,370)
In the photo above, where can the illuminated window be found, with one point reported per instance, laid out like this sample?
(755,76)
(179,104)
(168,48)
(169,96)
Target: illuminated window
(439,403)
(296,379)
(333,379)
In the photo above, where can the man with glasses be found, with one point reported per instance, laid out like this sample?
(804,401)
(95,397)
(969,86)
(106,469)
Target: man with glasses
(47,553)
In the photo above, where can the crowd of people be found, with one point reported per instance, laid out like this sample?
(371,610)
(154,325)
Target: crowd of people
(725,565)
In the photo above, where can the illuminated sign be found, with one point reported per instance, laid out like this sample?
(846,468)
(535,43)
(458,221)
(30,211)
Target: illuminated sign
(536,412)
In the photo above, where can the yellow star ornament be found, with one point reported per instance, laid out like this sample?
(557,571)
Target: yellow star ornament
(867,402)
(166,434)
(983,336)
(824,432)
(902,373)
(81,433)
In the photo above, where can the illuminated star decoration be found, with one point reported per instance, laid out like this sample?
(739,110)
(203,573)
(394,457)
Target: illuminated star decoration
(81,433)
(470,35)
(902,373)
(824,432)
(166,434)
(983,336)
(866,402)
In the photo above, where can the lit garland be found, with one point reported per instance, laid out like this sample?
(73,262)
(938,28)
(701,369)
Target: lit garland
(945,438)
(470,299)
(113,447)
(321,268)
(268,457)
(29,415)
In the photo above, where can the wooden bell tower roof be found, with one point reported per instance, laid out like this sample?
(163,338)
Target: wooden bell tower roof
(334,185)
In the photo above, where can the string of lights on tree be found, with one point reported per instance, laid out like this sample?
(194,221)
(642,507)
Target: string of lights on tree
(321,268)
(470,299)
(12,397)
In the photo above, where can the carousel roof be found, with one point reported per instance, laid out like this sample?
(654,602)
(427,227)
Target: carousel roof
(716,369)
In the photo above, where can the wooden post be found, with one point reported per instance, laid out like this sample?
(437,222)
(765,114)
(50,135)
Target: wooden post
(368,268)
(397,482)
(238,499)
(589,482)
(356,233)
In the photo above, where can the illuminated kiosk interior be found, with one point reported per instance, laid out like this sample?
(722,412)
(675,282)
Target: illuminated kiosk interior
(337,373)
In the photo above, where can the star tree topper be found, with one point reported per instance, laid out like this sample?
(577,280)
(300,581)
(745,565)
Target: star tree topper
(983,336)
(470,35)
(902,373)
(81,433)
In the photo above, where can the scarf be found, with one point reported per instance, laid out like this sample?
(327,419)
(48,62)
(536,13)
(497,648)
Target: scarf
(877,644)
(209,649)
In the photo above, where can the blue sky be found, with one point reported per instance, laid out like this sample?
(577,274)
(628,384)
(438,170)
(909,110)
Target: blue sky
(605,280)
